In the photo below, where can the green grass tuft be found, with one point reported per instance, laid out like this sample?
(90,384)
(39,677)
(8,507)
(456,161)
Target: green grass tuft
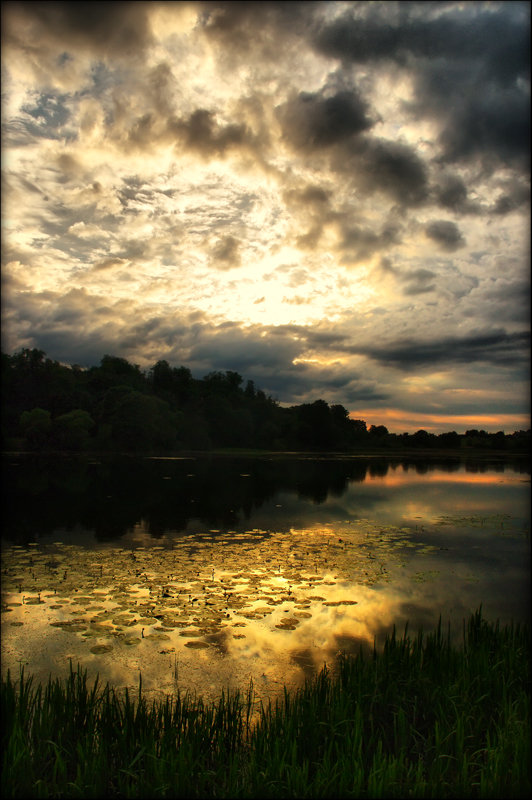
(421,719)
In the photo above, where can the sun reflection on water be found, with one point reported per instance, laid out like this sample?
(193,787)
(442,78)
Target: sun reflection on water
(213,611)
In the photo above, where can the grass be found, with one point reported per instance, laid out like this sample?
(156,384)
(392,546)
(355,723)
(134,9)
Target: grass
(421,719)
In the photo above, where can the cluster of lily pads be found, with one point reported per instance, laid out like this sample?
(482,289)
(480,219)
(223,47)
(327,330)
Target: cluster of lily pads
(199,585)
(495,524)
(202,590)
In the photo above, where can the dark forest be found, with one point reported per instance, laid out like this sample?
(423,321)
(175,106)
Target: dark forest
(116,407)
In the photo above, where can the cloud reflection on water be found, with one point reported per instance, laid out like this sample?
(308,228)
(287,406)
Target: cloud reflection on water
(260,579)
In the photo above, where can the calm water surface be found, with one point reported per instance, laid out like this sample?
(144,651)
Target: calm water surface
(206,572)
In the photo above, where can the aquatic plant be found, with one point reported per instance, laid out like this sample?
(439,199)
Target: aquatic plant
(422,718)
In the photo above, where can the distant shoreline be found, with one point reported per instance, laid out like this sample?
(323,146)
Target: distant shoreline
(255,453)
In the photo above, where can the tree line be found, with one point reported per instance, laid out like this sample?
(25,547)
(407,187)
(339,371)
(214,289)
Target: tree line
(117,407)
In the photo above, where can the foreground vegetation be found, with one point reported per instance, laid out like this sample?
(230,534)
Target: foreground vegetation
(116,407)
(420,719)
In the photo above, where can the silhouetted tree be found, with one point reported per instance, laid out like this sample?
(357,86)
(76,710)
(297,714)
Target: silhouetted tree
(450,440)
(315,426)
(422,438)
(498,441)
(71,431)
(36,425)
(138,421)
(162,378)
(185,385)
(47,402)
(378,431)
(115,371)
(223,384)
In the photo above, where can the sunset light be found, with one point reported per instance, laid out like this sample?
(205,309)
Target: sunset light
(265,404)
(331,199)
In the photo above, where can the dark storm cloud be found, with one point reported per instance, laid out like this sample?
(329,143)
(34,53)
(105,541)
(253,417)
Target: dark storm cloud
(511,298)
(241,350)
(396,170)
(242,27)
(359,244)
(451,193)
(201,133)
(415,281)
(311,336)
(110,28)
(266,354)
(393,168)
(515,196)
(470,66)
(80,326)
(304,383)
(368,32)
(497,348)
(330,173)
(446,234)
(321,119)
(418,283)
(492,122)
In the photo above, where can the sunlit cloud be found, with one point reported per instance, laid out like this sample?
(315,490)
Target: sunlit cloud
(355,175)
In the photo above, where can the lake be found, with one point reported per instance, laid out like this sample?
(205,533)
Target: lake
(207,572)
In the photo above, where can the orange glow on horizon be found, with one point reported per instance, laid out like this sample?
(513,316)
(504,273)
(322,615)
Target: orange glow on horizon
(461,477)
(398,421)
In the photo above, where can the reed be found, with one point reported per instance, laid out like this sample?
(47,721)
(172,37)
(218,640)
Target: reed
(419,719)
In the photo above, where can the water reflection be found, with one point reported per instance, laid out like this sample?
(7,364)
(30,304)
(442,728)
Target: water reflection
(112,496)
(234,569)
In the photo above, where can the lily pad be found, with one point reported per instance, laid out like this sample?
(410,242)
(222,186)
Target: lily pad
(197,645)
(340,603)
(101,648)
(77,625)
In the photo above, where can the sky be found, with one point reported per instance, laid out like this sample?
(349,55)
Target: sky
(330,198)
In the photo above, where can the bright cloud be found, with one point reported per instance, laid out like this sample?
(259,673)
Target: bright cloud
(331,198)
